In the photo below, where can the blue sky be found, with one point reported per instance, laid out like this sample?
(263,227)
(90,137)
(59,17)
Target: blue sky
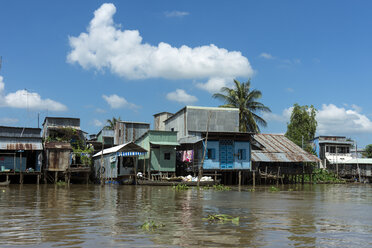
(137,58)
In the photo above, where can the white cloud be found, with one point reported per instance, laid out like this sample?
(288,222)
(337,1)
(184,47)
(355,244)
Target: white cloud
(7,121)
(266,56)
(97,123)
(116,102)
(104,45)
(176,13)
(27,100)
(332,120)
(215,84)
(181,96)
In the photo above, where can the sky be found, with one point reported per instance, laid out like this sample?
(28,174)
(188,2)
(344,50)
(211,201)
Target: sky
(95,60)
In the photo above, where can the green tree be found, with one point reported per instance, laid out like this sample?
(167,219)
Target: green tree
(302,126)
(244,98)
(112,123)
(367,151)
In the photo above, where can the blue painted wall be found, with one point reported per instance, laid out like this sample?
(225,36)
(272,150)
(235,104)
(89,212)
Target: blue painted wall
(242,155)
(212,162)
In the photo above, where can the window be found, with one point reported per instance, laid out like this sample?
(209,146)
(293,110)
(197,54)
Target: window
(119,133)
(172,129)
(332,149)
(241,154)
(211,153)
(167,156)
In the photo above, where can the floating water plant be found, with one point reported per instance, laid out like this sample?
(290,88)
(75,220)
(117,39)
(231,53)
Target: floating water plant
(221,187)
(61,183)
(274,189)
(251,190)
(222,218)
(181,187)
(150,226)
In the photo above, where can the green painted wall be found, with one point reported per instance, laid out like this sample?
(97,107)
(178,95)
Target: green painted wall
(158,161)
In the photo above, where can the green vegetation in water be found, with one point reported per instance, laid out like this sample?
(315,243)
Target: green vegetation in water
(181,187)
(221,187)
(251,190)
(323,176)
(61,183)
(150,226)
(290,189)
(222,218)
(274,189)
(207,187)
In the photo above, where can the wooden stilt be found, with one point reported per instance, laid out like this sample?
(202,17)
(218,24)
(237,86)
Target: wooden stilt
(7,177)
(55,176)
(254,179)
(240,178)
(277,177)
(87,177)
(215,176)
(21,178)
(38,179)
(265,175)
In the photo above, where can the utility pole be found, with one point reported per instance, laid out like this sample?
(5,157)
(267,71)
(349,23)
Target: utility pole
(200,174)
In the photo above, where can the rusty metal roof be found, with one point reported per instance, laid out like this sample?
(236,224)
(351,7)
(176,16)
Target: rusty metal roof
(24,143)
(278,148)
(58,145)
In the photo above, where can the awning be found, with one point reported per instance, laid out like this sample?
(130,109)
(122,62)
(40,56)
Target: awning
(129,154)
(125,148)
(164,143)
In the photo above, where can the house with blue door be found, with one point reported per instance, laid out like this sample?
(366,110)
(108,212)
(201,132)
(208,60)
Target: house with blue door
(213,131)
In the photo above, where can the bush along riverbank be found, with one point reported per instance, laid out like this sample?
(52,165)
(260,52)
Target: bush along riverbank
(323,176)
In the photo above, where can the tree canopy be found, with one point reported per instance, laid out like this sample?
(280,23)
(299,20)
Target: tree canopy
(367,151)
(111,123)
(244,98)
(302,125)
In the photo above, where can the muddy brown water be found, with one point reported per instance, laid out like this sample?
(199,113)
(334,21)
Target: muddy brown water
(111,216)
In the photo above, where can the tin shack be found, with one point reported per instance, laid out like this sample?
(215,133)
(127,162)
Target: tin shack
(20,153)
(118,164)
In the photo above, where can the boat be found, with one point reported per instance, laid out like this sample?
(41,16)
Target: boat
(6,183)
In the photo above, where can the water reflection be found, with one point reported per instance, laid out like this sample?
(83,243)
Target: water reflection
(110,216)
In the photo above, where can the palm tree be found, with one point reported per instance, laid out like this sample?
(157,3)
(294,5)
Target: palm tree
(111,123)
(246,100)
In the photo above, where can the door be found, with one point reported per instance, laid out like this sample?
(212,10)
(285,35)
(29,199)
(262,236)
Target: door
(226,154)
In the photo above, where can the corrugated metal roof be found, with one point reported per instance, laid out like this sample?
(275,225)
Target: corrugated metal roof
(278,148)
(165,143)
(357,161)
(58,145)
(27,144)
(131,147)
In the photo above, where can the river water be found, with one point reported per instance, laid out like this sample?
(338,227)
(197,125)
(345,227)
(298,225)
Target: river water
(111,216)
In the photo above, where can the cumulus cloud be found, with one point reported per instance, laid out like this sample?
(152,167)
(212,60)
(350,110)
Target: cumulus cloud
(116,102)
(332,120)
(106,46)
(181,96)
(25,99)
(176,13)
(338,120)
